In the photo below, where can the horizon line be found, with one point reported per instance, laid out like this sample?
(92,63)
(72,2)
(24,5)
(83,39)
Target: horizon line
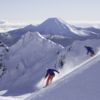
(41,21)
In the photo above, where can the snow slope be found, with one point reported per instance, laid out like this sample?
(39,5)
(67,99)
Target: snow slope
(76,53)
(75,57)
(26,63)
(81,84)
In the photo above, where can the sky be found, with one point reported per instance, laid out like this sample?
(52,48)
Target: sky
(36,11)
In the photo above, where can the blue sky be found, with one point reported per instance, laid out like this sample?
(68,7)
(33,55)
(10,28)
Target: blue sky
(33,11)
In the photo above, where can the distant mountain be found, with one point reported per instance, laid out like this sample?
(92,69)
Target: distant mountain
(53,27)
(93,29)
(92,32)
(11,37)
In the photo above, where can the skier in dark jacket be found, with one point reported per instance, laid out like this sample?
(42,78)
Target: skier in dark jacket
(90,50)
(50,74)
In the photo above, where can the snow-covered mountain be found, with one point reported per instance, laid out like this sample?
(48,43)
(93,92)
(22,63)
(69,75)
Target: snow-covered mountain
(27,62)
(11,37)
(34,49)
(30,56)
(54,29)
(55,26)
(79,77)
(52,26)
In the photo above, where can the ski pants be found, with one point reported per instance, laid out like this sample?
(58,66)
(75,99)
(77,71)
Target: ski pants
(49,79)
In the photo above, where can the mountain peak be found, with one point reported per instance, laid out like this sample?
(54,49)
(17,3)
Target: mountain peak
(55,26)
(54,20)
(29,26)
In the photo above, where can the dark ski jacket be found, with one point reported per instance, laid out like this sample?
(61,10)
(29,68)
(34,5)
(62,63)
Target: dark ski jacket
(51,72)
(89,49)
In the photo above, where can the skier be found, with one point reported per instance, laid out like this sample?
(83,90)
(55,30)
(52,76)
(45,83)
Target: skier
(61,63)
(90,50)
(50,75)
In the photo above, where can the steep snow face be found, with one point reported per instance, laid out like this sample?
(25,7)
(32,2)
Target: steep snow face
(81,84)
(78,53)
(75,54)
(26,63)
